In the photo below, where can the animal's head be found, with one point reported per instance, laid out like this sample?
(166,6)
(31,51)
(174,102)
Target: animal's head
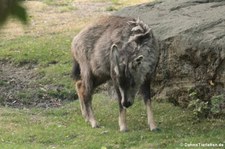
(124,72)
(127,62)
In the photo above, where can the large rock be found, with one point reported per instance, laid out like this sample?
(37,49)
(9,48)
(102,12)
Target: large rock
(191,34)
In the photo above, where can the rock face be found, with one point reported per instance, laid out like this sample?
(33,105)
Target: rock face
(191,34)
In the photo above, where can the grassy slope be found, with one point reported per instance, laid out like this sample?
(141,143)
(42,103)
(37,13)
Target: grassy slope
(65,128)
(50,54)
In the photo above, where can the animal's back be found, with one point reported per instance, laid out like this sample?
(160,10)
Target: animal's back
(91,46)
(106,29)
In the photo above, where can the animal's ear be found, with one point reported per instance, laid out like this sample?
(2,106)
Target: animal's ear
(114,55)
(137,61)
(140,31)
(139,37)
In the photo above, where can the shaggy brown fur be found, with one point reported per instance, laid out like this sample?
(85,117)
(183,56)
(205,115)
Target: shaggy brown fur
(115,48)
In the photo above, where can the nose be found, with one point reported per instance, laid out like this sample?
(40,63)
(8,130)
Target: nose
(126,104)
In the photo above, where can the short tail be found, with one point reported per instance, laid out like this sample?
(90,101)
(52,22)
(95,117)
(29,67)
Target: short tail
(76,71)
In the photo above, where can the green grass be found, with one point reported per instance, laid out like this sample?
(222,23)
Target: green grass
(57,2)
(52,59)
(43,50)
(111,8)
(64,127)
(67,8)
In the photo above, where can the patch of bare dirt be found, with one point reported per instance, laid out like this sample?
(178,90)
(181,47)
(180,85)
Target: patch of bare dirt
(12,81)
(18,88)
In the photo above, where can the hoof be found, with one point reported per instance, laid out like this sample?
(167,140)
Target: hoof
(95,126)
(124,130)
(156,130)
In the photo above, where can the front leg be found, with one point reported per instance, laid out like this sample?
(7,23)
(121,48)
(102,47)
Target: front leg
(122,119)
(151,121)
(122,113)
(145,91)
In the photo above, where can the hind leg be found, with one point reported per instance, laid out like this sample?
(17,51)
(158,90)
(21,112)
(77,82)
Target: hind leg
(86,103)
(80,92)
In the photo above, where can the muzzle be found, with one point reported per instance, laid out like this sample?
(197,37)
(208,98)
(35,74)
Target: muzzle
(126,104)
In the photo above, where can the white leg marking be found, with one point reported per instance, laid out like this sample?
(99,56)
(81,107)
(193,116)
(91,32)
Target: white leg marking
(83,110)
(122,120)
(91,117)
(151,121)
